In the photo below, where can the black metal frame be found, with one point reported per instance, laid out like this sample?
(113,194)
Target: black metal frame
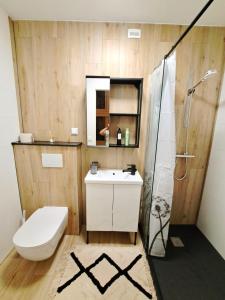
(202,11)
(138,83)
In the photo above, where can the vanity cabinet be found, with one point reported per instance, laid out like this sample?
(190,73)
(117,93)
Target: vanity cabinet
(112,207)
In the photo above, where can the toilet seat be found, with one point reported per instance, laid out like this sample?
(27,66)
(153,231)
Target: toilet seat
(38,237)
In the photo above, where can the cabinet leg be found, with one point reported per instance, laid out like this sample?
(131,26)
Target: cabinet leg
(87,237)
(135,238)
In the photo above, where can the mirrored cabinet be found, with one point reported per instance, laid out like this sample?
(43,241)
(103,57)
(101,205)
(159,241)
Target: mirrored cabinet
(113,105)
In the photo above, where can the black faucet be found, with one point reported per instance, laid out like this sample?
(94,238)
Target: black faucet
(131,168)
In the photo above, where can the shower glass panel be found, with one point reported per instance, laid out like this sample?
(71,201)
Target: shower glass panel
(156,81)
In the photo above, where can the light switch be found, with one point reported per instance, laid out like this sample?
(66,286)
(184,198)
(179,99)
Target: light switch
(52,160)
(74,131)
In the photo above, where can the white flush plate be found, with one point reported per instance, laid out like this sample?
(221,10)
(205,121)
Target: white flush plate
(52,160)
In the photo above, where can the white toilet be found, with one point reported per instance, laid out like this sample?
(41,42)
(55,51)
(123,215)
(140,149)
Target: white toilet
(38,237)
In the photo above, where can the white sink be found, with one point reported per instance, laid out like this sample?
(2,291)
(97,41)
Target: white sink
(113,176)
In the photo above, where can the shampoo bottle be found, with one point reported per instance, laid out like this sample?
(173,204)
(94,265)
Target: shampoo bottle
(127,137)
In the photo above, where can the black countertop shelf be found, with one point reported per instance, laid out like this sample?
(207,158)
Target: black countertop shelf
(135,81)
(47,143)
(123,146)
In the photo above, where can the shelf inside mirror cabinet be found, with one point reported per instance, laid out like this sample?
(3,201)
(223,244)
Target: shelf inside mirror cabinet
(125,108)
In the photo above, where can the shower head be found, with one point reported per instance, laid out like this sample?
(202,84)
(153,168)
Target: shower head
(209,74)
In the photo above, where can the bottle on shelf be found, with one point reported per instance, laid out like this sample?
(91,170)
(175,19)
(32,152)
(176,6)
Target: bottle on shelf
(127,137)
(107,138)
(119,136)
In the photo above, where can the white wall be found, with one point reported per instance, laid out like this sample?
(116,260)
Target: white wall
(211,220)
(10,211)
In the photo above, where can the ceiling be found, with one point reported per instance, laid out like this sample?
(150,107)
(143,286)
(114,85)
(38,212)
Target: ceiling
(144,11)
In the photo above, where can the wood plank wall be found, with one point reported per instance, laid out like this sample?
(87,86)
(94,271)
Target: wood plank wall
(54,57)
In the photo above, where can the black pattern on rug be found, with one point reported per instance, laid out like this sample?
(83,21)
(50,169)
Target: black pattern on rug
(103,289)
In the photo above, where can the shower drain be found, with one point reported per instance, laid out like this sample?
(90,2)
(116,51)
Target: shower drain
(176,241)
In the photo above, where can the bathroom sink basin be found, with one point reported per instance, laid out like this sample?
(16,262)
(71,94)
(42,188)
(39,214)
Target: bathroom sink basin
(113,176)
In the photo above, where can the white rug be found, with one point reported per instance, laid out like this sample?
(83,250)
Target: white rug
(103,272)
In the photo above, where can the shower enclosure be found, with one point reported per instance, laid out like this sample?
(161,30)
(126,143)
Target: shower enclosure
(161,154)
(161,149)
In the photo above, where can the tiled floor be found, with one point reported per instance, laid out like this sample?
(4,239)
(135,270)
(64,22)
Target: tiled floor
(195,272)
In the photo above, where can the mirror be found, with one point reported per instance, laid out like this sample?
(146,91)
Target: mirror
(102,116)
(97,92)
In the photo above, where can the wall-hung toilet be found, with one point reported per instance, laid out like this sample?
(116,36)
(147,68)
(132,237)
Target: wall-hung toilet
(39,236)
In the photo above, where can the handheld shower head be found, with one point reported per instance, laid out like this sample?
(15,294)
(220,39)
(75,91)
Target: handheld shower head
(209,74)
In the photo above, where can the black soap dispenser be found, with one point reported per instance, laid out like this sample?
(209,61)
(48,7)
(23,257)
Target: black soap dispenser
(119,137)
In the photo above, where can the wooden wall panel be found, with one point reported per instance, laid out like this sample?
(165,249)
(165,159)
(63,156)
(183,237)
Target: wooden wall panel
(12,36)
(50,186)
(54,57)
(123,99)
